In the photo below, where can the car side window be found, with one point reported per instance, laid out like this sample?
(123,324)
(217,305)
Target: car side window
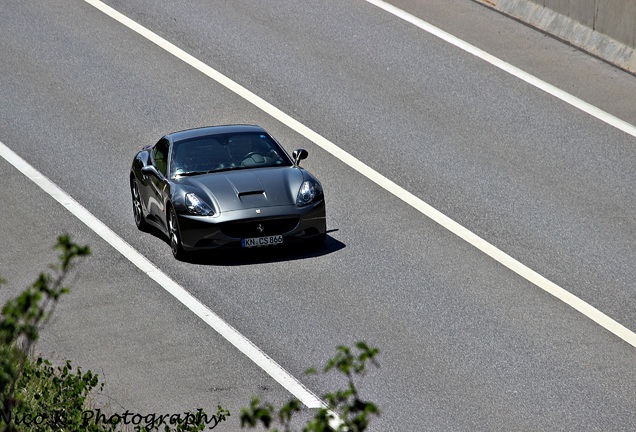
(160,156)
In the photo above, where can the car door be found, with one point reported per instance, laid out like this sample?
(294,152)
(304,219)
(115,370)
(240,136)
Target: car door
(158,186)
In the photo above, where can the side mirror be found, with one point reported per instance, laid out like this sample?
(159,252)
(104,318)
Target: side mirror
(151,170)
(299,155)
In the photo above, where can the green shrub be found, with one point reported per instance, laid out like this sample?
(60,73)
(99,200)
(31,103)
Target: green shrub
(53,398)
(35,395)
(22,318)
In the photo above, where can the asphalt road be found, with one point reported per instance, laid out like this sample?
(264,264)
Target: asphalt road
(466,344)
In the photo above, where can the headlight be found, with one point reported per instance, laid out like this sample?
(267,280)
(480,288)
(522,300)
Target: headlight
(196,206)
(308,191)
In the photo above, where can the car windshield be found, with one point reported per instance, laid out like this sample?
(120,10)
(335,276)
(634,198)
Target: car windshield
(224,152)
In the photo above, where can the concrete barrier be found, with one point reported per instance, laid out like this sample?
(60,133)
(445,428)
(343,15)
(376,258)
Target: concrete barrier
(604,28)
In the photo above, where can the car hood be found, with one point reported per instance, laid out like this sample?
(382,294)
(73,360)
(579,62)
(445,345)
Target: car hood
(236,190)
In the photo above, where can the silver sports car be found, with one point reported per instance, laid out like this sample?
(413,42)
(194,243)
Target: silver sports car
(226,187)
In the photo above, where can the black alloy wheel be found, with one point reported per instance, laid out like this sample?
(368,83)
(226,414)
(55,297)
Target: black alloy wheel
(138,213)
(175,236)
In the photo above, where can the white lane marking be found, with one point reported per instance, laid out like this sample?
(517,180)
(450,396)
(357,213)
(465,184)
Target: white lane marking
(481,244)
(515,71)
(265,362)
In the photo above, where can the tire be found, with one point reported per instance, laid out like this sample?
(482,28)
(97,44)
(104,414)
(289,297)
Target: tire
(175,236)
(138,212)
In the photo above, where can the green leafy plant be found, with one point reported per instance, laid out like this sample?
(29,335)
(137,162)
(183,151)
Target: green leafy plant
(35,394)
(345,411)
(22,319)
(54,398)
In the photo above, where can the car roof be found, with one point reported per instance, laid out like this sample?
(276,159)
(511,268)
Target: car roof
(213,130)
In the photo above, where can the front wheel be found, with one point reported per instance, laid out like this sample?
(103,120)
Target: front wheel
(138,212)
(175,236)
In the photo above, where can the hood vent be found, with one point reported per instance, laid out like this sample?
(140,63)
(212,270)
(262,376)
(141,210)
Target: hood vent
(244,194)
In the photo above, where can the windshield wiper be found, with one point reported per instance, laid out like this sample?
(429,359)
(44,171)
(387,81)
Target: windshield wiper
(193,173)
(196,173)
(228,168)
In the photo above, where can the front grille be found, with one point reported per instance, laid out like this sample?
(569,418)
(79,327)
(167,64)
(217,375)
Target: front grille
(258,228)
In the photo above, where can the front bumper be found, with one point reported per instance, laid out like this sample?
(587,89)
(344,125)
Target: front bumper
(295,224)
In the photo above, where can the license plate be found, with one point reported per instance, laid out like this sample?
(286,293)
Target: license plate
(262,241)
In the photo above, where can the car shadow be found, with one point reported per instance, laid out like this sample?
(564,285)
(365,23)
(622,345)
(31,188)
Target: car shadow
(241,257)
(237,257)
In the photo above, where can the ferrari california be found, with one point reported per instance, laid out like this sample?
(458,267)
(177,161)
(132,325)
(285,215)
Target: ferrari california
(223,187)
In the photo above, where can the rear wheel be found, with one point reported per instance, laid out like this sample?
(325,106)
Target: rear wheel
(138,213)
(175,235)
